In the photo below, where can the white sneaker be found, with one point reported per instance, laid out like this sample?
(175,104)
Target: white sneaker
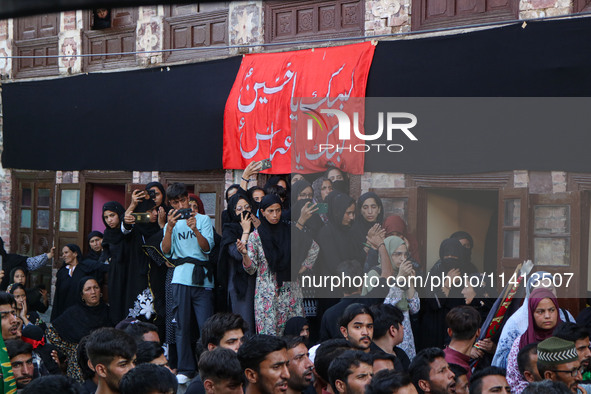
(182,379)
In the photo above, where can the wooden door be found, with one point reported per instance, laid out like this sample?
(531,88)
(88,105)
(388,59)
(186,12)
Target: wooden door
(557,233)
(513,225)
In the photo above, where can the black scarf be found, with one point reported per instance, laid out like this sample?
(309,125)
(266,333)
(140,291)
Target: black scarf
(464,235)
(147,230)
(79,320)
(276,240)
(302,239)
(361,225)
(93,255)
(338,242)
(341,186)
(294,326)
(9,262)
(113,235)
(231,232)
(297,188)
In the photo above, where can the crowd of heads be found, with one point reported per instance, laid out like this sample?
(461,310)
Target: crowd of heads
(364,354)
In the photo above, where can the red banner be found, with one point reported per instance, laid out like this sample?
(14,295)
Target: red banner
(277,93)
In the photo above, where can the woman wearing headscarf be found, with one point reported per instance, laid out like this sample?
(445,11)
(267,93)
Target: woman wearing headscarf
(306,225)
(322,188)
(129,294)
(26,315)
(467,242)
(146,238)
(298,327)
(517,323)
(68,278)
(230,191)
(9,261)
(37,297)
(278,184)
(437,303)
(240,286)
(370,211)
(268,254)
(339,179)
(405,298)
(300,190)
(543,318)
(95,244)
(337,239)
(87,314)
(277,180)
(395,225)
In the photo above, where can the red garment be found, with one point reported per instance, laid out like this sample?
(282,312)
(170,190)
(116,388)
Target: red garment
(533,333)
(395,224)
(454,357)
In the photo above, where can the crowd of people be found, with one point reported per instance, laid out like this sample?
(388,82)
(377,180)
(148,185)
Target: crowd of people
(163,301)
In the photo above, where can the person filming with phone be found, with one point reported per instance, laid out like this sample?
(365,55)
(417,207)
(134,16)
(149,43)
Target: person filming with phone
(188,239)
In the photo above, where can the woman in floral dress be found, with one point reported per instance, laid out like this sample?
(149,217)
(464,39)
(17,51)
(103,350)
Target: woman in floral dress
(268,254)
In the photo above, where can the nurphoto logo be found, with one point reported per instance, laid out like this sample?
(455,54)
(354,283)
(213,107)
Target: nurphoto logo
(393,124)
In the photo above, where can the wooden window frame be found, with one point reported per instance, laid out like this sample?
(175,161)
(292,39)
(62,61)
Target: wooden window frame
(108,62)
(579,233)
(496,181)
(419,20)
(45,43)
(35,179)
(272,8)
(209,18)
(77,236)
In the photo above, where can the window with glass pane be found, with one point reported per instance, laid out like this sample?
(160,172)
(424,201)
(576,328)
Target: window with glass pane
(512,212)
(511,231)
(68,221)
(27,198)
(43,196)
(552,251)
(552,219)
(43,219)
(552,229)
(25,218)
(69,205)
(70,199)
(511,244)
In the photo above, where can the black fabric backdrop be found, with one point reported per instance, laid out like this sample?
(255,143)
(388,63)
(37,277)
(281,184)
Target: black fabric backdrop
(173,120)
(140,120)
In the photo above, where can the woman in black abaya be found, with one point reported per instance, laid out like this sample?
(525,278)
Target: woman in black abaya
(240,285)
(436,304)
(87,314)
(148,239)
(68,277)
(337,239)
(129,294)
(370,211)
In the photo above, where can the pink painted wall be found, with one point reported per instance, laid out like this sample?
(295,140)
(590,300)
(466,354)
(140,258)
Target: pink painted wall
(102,194)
